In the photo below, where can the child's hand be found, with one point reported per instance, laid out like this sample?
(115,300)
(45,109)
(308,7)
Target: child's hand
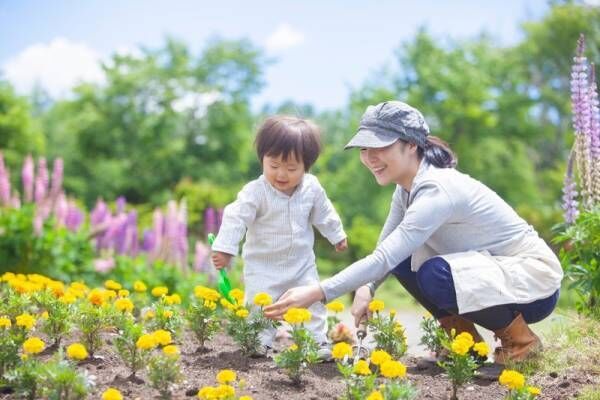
(220,260)
(341,246)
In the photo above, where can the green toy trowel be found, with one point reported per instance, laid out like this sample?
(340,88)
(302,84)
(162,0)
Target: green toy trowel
(223,283)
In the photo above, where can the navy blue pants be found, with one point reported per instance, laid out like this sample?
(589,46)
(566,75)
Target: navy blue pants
(432,286)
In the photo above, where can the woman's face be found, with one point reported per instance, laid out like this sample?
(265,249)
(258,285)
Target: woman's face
(391,164)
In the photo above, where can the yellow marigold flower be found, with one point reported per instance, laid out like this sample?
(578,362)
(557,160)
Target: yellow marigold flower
(376,395)
(296,316)
(378,357)
(534,391)
(263,299)
(211,305)
(7,276)
(467,337)
(123,293)
(226,304)
(376,306)
(110,294)
(67,298)
(77,351)
(205,293)
(173,299)
(362,368)
(225,391)
(160,291)
(393,369)
(293,347)
(511,379)
(96,297)
(392,312)
(26,321)
(5,322)
(167,313)
(341,350)
(139,286)
(242,313)
(237,295)
(57,288)
(207,393)
(112,394)
(112,285)
(146,342)
(124,304)
(33,345)
(44,315)
(481,348)
(149,314)
(171,350)
(245,398)
(335,306)
(460,346)
(79,287)
(162,337)
(226,376)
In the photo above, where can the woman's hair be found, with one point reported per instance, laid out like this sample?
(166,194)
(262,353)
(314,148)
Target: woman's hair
(284,135)
(438,153)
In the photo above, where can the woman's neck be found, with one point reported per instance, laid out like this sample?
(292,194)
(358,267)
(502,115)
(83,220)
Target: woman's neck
(406,181)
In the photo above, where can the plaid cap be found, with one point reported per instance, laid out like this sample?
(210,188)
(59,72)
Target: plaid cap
(383,124)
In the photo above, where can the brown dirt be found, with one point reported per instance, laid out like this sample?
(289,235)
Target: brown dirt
(266,382)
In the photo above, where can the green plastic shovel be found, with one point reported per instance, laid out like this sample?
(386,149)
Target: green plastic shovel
(223,283)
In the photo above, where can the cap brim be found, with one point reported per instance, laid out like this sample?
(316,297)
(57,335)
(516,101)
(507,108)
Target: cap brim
(366,138)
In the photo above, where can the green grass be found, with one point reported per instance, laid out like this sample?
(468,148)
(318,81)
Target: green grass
(590,393)
(570,341)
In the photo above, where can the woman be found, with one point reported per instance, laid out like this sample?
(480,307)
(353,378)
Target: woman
(453,243)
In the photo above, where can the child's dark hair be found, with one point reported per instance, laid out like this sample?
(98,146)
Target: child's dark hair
(284,135)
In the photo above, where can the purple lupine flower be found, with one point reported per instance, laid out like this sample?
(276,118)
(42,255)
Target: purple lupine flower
(4,183)
(148,241)
(210,221)
(582,119)
(200,255)
(219,218)
(61,209)
(104,265)
(38,223)
(158,229)
(74,217)
(27,178)
(570,194)
(120,237)
(121,202)
(182,239)
(594,137)
(41,182)
(57,178)
(99,214)
(131,235)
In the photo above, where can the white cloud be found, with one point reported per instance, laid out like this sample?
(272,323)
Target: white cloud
(56,66)
(284,37)
(593,3)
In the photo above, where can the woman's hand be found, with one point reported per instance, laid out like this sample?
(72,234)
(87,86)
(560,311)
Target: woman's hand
(360,306)
(300,297)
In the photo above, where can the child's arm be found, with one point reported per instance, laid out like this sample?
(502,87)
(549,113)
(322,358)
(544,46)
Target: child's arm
(237,216)
(324,217)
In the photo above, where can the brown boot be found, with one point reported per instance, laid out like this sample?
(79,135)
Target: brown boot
(460,325)
(518,342)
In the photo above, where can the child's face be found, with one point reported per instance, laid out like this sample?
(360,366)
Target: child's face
(283,175)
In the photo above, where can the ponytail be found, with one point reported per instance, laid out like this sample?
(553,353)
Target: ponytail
(438,153)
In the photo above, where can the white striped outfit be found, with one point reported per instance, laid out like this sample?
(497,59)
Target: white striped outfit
(278,251)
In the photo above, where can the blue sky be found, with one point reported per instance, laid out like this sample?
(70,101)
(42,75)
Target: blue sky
(323,48)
